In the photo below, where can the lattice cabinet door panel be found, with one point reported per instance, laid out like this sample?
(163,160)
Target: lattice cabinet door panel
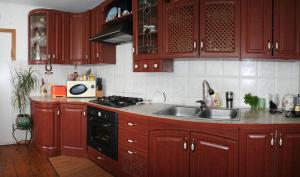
(133,162)
(181,24)
(220,28)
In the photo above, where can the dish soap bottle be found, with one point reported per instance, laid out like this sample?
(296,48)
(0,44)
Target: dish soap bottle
(217,100)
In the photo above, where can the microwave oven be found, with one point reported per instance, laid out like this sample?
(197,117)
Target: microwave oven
(81,89)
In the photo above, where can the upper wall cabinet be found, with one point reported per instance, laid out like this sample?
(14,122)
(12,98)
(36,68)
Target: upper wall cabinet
(270,29)
(147,29)
(47,36)
(180,27)
(219,28)
(100,52)
(79,38)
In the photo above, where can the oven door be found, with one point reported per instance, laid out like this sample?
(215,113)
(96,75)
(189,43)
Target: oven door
(102,135)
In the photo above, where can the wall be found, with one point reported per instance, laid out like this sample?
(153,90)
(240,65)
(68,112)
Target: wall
(12,16)
(184,85)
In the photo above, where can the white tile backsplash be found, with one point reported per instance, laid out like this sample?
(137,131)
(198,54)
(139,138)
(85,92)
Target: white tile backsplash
(184,85)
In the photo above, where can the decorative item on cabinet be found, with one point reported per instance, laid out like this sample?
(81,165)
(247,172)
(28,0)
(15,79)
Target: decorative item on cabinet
(153,65)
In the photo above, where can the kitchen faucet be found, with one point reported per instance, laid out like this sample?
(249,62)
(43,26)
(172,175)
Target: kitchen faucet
(210,92)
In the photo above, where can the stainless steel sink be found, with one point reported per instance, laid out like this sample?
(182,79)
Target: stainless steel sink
(179,111)
(197,113)
(211,113)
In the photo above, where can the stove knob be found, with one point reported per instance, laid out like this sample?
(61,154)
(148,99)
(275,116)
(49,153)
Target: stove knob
(99,114)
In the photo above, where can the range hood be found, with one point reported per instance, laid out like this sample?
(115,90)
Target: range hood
(117,33)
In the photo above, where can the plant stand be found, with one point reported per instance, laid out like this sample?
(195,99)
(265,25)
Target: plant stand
(27,139)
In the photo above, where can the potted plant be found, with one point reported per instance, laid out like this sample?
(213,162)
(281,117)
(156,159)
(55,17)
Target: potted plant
(23,82)
(252,100)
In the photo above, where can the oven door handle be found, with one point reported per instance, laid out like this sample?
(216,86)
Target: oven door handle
(106,125)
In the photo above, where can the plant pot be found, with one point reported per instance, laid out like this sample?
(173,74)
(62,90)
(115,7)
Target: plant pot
(23,121)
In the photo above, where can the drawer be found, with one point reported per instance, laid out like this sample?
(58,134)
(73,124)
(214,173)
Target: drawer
(133,163)
(133,140)
(133,124)
(103,161)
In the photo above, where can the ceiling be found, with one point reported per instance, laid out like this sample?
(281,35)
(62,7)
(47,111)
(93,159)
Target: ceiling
(65,5)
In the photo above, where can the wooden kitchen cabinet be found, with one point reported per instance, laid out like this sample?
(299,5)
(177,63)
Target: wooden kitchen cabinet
(45,131)
(270,151)
(220,28)
(209,153)
(270,29)
(184,153)
(100,52)
(148,37)
(133,145)
(169,153)
(181,28)
(79,38)
(288,152)
(256,29)
(73,129)
(47,36)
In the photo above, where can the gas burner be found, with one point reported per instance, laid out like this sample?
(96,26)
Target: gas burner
(117,101)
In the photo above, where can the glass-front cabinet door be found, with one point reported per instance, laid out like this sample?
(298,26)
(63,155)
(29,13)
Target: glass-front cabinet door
(38,37)
(147,28)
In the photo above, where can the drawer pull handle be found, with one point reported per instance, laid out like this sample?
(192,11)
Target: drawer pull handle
(130,152)
(131,124)
(131,141)
(99,158)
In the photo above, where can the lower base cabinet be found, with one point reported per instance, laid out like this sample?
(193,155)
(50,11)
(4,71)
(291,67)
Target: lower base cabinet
(182,154)
(270,151)
(59,128)
(45,130)
(73,129)
(133,162)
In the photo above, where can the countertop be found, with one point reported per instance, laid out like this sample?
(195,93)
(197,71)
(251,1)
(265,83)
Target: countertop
(246,115)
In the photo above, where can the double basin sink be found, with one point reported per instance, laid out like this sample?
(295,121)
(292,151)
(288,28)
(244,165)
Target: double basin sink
(197,113)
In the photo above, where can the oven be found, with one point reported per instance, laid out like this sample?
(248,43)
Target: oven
(103,131)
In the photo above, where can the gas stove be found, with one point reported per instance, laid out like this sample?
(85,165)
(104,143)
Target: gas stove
(117,101)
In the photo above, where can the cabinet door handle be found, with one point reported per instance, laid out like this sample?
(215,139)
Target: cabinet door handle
(195,45)
(155,65)
(269,46)
(280,140)
(193,145)
(100,158)
(97,55)
(145,66)
(49,56)
(131,124)
(133,50)
(272,140)
(201,45)
(185,144)
(276,46)
(131,141)
(136,66)
(84,113)
(53,56)
(86,56)
(58,112)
